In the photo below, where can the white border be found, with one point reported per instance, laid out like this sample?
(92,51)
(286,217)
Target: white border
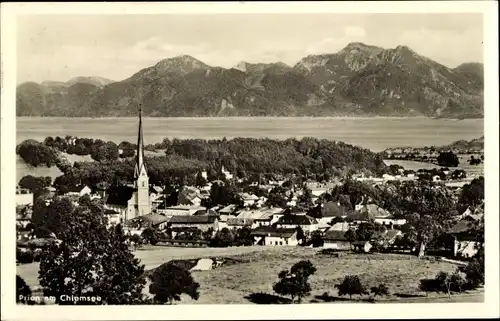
(10,311)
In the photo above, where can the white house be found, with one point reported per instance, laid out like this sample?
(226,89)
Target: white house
(248,199)
(270,236)
(23,197)
(305,222)
(79,191)
(334,239)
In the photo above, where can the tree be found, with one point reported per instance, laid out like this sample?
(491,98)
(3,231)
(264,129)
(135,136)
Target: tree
(36,185)
(447,159)
(351,236)
(36,154)
(474,271)
(277,197)
(305,199)
(52,217)
(223,238)
(150,235)
(351,284)
(473,193)
(427,209)
(294,282)
(200,180)
(23,291)
(127,153)
(90,260)
(169,281)
(300,234)
(380,290)
(244,237)
(317,239)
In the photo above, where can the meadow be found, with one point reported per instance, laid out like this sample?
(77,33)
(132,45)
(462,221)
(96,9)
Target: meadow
(250,275)
(239,283)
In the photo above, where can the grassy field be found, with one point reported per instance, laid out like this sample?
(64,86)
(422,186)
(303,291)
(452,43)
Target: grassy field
(471,170)
(152,257)
(258,267)
(236,283)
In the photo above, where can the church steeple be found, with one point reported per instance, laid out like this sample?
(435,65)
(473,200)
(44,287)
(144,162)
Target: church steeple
(139,164)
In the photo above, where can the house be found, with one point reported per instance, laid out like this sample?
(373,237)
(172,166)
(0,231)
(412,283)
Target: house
(181,210)
(248,199)
(376,213)
(79,191)
(266,235)
(202,222)
(462,239)
(223,220)
(153,220)
(389,237)
(23,219)
(238,223)
(228,210)
(340,226)
(189,197)
(113,216)
(334,239)
(118,199)
(305,222)
(362,246)
(23,196)
(330,211)
(226,174)
(266,218)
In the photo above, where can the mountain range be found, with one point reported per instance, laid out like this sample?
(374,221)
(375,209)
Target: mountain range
(359,80)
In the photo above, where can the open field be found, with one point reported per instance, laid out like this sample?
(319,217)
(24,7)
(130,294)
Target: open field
(259,267)
(258,271)
(152,257)
(471,170)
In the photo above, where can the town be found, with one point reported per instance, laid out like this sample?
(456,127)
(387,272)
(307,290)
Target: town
(422,213)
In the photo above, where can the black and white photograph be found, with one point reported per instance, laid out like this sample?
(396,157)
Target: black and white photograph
(264,158)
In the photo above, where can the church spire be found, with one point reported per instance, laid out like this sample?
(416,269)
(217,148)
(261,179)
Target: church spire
(140,148)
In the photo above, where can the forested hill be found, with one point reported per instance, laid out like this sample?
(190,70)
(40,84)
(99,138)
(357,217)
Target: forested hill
(183,159)
(359,80)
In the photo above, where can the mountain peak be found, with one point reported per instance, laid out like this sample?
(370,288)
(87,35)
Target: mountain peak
(402,48)
(182,64)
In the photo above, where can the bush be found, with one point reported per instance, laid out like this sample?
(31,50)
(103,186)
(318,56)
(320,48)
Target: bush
(351,284)
(444,282)
(380,290)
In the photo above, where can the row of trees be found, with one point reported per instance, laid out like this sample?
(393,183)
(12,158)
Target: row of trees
(295,282)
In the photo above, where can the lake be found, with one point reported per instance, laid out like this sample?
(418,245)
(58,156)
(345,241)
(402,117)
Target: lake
(376,133)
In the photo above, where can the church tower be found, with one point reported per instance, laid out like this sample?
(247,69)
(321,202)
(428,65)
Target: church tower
(141,180)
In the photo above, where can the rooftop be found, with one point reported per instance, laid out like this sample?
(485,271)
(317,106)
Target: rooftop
(188,219)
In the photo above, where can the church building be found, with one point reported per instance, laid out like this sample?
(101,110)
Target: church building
(135,201)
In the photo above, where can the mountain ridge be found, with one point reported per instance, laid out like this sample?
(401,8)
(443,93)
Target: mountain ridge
(358,80)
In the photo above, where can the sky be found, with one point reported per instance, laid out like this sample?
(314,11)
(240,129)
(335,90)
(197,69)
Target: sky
(60,47)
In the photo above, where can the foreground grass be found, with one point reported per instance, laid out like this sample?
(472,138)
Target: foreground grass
(152,257)
(259,270)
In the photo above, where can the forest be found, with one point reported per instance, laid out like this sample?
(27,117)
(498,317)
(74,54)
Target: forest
(246,158)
